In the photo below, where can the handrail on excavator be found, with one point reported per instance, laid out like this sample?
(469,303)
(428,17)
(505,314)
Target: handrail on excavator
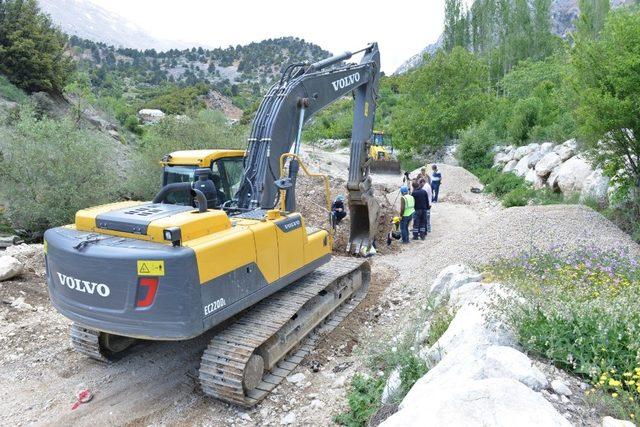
(325,178)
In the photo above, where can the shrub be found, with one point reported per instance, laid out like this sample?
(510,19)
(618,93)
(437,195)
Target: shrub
(208,129)
(11,92)
(132,124)
(475,149)
(51,168)
(364,400)
(504,183)
(518,197)
(523,119)
(580,314)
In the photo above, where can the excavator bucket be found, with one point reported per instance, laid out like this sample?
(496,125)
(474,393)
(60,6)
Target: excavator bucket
(385,167)
(364,224)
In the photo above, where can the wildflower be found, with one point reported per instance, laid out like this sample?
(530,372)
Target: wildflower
(614,395)
(614,383)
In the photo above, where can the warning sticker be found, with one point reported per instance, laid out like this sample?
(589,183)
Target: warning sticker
(150,268)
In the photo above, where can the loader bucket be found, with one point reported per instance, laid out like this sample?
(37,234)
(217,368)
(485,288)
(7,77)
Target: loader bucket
(385,167)
(364,225)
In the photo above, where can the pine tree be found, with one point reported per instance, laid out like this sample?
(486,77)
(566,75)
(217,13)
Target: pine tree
(32,54)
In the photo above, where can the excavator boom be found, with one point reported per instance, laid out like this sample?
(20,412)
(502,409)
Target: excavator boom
(301,92)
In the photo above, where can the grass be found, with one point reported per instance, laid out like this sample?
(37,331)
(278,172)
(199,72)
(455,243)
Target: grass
(365,392)
(582,315)
(10,92)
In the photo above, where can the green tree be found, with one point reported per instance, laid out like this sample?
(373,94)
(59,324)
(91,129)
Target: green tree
(456,27)
(592,17)
(608,78)
(31,50)
(441,98)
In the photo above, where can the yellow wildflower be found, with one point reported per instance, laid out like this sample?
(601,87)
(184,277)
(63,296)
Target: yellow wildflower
(614,383)
(614,395)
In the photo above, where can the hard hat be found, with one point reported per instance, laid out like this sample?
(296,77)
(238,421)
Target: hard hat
(404,189)
(396,219)
(340,197)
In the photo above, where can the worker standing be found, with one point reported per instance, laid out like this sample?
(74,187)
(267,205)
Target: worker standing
(421,203)
(407,208)
(436,181)
(427,188)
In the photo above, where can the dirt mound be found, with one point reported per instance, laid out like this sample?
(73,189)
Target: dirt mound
(311,203)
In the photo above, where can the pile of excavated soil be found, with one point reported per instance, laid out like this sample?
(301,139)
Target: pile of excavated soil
(311,202)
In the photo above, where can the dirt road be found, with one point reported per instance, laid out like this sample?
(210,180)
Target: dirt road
(155,384)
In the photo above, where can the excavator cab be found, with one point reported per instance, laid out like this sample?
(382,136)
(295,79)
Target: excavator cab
(383,160)
(226,172)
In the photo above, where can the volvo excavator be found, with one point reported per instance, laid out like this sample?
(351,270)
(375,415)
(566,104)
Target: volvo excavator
(222,247)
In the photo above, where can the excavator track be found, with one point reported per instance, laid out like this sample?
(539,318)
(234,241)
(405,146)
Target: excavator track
(250,357)
(87,341)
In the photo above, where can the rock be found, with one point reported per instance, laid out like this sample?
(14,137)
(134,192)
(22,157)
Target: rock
(552,180)
(114,134)
(596,187)
(560,388)
(20,305)
(547,164)
(296,378)
(510,166)
(451,278)
(9,267)
(488,402)
(572,175)
(507,362)
(533,178)
(502,157)
(546,147)
(317,404)
(567,149)
(6,241)
(423,334)
(534,158)
(288,419)
(469,331)
(520,152)
(613,422)
(31,256)
(392,386)
(522,167)
(150,116)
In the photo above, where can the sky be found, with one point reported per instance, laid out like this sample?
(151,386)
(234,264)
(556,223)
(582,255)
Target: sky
(402,28)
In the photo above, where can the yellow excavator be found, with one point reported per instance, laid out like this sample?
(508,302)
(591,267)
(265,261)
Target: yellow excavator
(383,159)
(221,245)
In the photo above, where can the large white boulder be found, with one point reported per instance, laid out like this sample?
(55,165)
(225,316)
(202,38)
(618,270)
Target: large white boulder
(489,403)
(470,331)
(546,147)
(547,164)
(534,158)
(501,157)
(451,278)
(510,166)
(9,267)
(150,115)
(520,152)
(567,149)
(596,187)
(613,422)
(522,167)
(552,180)
(572,175)
(534,179)
(507,362)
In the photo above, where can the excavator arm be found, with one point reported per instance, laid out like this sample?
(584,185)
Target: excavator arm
(302,91)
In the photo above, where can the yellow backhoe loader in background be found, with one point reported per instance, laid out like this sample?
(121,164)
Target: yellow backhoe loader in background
(383,159)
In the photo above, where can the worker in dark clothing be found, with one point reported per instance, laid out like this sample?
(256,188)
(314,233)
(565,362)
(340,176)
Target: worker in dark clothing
(421,198)
(407,209)
(436,181)
(337,210)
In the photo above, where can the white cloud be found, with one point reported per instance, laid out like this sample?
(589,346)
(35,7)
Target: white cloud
(401,27)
